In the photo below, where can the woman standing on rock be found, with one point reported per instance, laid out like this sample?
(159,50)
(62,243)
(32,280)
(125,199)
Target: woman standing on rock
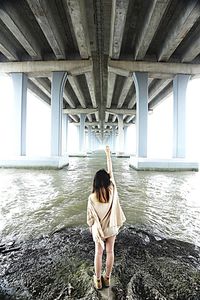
(104,217)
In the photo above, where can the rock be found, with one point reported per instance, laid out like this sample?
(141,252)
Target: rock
(60,266)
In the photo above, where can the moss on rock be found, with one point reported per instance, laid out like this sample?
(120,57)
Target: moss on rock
(60,266)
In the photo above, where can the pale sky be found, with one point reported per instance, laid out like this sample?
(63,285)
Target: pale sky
(160,125)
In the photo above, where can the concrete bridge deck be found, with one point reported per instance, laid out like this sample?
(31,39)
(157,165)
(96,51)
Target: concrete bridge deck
(112,54)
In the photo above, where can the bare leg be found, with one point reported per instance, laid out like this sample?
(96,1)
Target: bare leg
(98,260)
(110,242)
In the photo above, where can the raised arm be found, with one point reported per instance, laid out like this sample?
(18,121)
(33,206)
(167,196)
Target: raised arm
(109,161)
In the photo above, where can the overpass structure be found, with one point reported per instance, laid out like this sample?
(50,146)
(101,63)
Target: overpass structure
(101,64)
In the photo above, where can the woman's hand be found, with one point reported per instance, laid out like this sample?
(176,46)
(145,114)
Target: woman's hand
(107,150)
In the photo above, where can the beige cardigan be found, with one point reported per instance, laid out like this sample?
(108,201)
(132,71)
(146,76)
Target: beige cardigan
(112,221)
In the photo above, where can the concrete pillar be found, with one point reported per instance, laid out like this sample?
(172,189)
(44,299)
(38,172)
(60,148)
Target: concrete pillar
(113,139)
(89,139)
(141,86)
(82,133)
(65,121)
(20,96)
(58,83)
(179,102)
(125,139)
(121,133)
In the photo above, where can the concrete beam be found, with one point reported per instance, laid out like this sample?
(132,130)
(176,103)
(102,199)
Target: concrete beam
(129,119)
(161,96)
(154,67)
(118,19)
(43,66)
(43,86)
(106,116)
(115,70)
(85,69)
(42,90)
(97,116)
(193,50)
(161,76)
(127,84)
(89,117)
(77,111)
(46,21)
(13,22)
(75,85)
(97,124)
(37,92)
(7,49)
(74,71)
(189,14)
(121,111)
(114,118)
(110,89)
(76,11)
(67,97)
(90,81)
(132,102)
(150,24)
(157,88)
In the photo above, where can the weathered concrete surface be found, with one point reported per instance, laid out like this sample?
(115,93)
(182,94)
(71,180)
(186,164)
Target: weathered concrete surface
(60,266)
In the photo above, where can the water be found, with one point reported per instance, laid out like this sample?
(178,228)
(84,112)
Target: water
(35,202)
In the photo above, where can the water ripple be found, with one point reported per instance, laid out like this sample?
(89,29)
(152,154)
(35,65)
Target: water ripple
(38,202)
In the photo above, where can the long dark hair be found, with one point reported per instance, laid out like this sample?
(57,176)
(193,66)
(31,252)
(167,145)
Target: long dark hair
(101,185)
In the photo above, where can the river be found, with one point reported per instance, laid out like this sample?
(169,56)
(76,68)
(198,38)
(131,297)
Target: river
(37,202)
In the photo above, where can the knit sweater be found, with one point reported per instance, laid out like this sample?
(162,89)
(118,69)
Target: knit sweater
(110,223)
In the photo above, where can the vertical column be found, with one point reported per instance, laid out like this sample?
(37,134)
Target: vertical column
(125,139)
(89,139)
(82,133)
(20,96)
(113,139)
(141,85)
(121,133)
(65,119)
(58,83)
(179,102)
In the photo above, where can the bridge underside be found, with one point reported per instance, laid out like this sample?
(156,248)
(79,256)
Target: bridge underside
(100,45)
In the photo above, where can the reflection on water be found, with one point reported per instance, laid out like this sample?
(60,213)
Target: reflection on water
(35,202)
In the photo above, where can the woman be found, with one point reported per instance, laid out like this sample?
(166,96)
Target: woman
(104,217)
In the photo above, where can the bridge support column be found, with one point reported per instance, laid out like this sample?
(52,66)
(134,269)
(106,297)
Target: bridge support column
(20,95)
(58,83)
(121,134)
(125,139)
(141,86)
(179,101)
(82,133)
(178,162)
(89,139)
(65,121)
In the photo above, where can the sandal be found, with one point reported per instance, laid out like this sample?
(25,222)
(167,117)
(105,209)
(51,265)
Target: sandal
(97,283)
(106,281)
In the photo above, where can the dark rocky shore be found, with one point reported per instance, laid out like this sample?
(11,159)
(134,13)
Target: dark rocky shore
(60,266)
